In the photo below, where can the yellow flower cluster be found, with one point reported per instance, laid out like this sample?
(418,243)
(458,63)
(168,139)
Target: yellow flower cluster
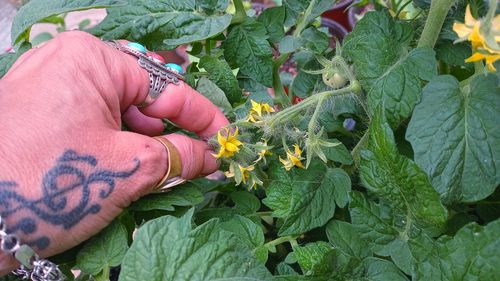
(257,110)
(229,143)
(484,36)
(245,173)
(293,159)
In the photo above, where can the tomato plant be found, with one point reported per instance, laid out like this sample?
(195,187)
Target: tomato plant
(387,168)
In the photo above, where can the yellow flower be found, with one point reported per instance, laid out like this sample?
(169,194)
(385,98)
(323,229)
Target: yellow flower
(263,152)
(229,144)
(484,37)
(468,30)
(489,58)
(257,109)
(293,159)
(245,172)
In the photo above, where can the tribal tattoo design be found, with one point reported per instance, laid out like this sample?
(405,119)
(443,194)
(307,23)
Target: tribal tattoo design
(74,175)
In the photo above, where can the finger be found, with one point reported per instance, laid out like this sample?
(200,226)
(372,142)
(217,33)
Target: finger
(196,160)
(196,156)
(142,124)
(23,58)
(188,109)
(122,82)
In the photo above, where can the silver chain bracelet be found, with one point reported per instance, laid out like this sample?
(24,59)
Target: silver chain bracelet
(32,267)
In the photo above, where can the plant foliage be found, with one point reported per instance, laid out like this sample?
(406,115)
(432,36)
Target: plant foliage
(409,192)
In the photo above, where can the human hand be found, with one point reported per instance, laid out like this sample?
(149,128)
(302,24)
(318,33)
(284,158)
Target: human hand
(67,169)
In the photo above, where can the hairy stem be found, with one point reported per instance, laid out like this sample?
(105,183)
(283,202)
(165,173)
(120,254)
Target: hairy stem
(303,22)
(314,118)
(292,111)
(240,14)
(478,67)
(279,240)
(355,153)
(280,95)
(264,214)
(434,23)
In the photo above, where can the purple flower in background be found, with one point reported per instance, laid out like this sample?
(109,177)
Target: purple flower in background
(349,124)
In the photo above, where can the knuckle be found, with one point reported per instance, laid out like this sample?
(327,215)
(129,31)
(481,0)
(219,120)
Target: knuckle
(75,38)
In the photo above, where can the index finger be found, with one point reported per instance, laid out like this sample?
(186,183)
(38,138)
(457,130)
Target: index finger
(188,109)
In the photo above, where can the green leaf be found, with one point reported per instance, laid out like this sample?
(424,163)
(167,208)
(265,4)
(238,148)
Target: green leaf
(164,23)
(303,198)
(342,186)
(187,195)
(315,40)
(168,248)
(246,202)
(284,269)
(374,222)
(36,10)
(290,44)
(454,54)
(245,229)
(311,256)
(345,238)
(304,83)
(40,38)
(472,254)
(210,90)
(389,74)
(377,224)
(273,18)
(104,250)
(397,179)
(382,270)
(338,153)
(311,39)
(221,74)
(456,139)
(247,47)
(297,8)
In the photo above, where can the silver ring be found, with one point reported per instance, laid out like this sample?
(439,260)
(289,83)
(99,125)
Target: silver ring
(159,75)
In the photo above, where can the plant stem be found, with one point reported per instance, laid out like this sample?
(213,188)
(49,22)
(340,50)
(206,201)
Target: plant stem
(434,23)
(478,67)
(304,19)
(279,240)
(292,111)
(355,153)
(314,118)
(208,47)
(492,10)
(280,95)
(240,14)
(199,73)
(264,214)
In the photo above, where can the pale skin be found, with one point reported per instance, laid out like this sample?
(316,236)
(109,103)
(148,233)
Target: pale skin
(61,110)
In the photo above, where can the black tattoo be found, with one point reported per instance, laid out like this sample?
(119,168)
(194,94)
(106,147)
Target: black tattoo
(52,207)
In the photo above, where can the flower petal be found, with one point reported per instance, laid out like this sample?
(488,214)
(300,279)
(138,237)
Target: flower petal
(231,147)
(462,31)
